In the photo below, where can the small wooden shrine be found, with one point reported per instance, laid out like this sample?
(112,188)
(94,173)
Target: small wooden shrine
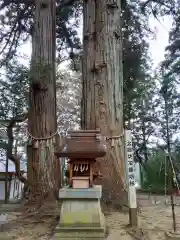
(82,148)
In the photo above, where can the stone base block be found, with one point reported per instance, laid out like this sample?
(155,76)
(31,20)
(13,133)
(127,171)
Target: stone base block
(78,193)
(172,235)
(79,234)
(80,219)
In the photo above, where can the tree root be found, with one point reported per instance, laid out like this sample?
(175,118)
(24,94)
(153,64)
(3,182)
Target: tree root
(39,204)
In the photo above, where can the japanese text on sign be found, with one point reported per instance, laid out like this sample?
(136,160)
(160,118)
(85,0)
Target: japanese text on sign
(130,163)
(130,170)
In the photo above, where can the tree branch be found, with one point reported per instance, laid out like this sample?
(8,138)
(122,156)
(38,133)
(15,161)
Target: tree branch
(15,159)
(158,2)
(66,3)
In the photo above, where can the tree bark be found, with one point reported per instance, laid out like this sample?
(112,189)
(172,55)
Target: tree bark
(102,103)
(42,124)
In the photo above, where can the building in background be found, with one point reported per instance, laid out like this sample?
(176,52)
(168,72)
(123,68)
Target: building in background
(15,187)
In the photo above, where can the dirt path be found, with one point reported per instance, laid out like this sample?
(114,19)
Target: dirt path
(154,220)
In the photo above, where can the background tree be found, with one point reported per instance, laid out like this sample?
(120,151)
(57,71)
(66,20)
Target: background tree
(14,87)
(172,57)
(144,121)
(14,101)
(17,24)
(68,100)
(169,110)
(138,81)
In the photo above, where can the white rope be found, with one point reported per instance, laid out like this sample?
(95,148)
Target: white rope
(42,138)
(115,136)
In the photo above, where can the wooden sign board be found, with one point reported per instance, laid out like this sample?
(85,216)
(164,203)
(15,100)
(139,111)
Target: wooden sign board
(130,167)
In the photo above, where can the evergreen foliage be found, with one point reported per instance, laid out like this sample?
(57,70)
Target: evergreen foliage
(16,20)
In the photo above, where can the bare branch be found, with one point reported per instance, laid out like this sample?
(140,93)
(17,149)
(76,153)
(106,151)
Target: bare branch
(19,174)
(158,3)
(66,3)
(15,159)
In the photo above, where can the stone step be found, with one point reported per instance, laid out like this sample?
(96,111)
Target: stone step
(78,235)
(79,229)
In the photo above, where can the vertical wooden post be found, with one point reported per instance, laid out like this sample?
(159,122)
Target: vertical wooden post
(129,161)
(58,164)
(6,180)
(91,174)
(70,173)
(172,189)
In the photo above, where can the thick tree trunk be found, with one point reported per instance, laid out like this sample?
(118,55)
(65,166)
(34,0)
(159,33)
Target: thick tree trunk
(42,124)
(102,103)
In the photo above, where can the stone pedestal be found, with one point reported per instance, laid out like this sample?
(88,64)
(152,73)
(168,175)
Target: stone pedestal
(81,217)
